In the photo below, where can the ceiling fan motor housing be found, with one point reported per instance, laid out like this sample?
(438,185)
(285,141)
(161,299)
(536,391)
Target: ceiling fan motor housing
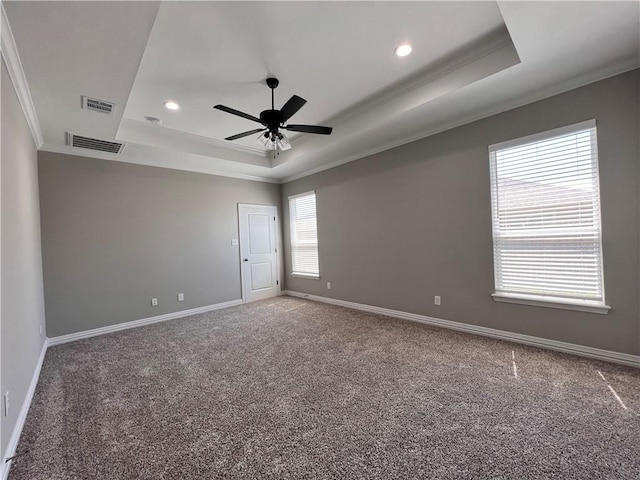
(271,119)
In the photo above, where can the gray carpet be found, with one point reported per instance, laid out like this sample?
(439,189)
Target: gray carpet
(288,388)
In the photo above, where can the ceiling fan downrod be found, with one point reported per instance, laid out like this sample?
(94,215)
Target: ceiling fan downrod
(272,83)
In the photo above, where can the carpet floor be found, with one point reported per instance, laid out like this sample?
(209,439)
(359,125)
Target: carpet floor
(292,389)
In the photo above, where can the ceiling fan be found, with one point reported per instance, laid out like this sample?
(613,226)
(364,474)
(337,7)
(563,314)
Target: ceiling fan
(275,120)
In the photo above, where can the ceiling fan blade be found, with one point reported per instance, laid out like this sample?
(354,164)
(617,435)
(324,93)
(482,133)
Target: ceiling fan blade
(245,134)
(233,111)
(310,129)
(289,109)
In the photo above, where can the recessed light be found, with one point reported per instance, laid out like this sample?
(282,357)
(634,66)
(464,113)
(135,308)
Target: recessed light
(171,105)
(403,50)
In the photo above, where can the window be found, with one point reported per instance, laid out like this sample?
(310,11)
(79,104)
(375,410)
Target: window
(545,198)
(304,235)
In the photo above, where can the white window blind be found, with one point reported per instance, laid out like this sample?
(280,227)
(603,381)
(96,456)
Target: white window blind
(304,234)
(546,216)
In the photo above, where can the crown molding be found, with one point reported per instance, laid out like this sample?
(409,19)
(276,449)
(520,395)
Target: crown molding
(18,78)
(149,158)
(476,65)
(535,96)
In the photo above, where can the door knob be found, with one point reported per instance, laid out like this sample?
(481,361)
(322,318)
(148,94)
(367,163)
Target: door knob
(246,259)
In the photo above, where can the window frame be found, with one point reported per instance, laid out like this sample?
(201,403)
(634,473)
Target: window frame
(308,275)
(564,303)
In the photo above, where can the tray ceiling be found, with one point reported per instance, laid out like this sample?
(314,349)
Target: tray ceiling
(469,60)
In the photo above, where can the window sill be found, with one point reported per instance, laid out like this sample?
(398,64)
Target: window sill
(551,302)
(311,276)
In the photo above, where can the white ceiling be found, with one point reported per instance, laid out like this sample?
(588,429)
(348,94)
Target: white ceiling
(470,60)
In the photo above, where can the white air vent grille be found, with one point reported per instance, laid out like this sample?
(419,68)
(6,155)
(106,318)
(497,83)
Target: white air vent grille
(94,144)
(96,105)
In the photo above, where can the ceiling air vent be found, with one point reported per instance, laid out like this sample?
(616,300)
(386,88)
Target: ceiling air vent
(94,144)
(96,105)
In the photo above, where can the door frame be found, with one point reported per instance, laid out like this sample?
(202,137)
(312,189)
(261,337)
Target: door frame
(278,246)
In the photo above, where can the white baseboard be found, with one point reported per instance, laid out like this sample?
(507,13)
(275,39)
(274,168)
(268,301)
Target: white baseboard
(597,353)
(22,416)
(72,337)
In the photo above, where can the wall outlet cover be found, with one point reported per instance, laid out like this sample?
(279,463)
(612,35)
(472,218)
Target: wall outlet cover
(154,302)
(181,297)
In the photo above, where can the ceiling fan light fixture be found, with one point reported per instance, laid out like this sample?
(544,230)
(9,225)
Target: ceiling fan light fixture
(171,105)
(403,50)
(264,139)
(274,141)
(283,142)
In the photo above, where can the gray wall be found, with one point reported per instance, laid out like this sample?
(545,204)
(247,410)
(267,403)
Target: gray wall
(22,311)
(114,235)
(401,226)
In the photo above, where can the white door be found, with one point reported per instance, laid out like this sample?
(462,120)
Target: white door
(258,251)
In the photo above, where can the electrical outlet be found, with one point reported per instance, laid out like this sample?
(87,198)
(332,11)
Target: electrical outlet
(328,285)
(6,404)
(154,302)
(181,297)
(436,300)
